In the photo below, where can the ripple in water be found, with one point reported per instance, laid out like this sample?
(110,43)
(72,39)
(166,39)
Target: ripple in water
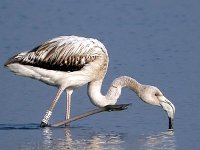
(19,126)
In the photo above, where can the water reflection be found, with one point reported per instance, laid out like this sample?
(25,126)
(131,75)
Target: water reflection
(94,141)
(47,138)
(101,141)
(163,140)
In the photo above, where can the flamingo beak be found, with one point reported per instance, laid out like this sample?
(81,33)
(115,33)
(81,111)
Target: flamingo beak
(171,124)
(169,108)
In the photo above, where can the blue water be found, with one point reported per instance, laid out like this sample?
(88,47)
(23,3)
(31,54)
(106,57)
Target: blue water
(156,42)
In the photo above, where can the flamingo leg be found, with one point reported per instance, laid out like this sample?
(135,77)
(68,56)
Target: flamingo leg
(68,106)
(48,113)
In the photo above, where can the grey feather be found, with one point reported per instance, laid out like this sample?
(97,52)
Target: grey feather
(65,53)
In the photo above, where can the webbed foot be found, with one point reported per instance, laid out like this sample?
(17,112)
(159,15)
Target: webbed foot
(43,124)
(117,107)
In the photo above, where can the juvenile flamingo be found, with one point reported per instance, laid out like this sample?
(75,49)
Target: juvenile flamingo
(69,62)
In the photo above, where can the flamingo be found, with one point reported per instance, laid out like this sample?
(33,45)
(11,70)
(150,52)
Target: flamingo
(69,62)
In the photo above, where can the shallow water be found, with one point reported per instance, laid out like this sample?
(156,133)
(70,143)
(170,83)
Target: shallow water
(31,136)
(156,42)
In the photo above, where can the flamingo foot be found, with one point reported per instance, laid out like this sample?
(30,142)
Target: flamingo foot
(43,124)
(118,107)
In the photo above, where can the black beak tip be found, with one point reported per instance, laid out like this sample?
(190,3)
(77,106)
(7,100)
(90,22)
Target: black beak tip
(171,124)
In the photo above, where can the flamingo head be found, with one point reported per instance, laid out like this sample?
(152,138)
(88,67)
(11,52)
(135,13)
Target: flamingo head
(152,95)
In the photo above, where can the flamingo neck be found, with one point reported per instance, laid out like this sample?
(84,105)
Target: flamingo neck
(114,91)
